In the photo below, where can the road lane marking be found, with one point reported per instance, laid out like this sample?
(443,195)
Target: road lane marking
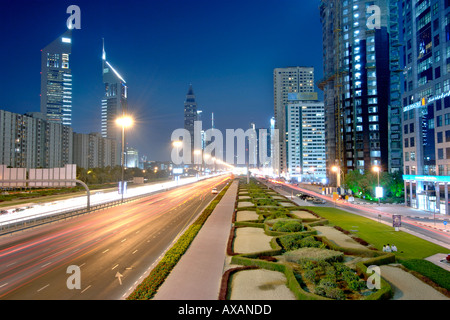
(45,265)
(105,251)
(43,287)
(115,267)
(134,251)
(124,240)
(86,288)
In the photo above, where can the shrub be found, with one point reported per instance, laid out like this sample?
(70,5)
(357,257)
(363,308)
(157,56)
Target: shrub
(356,285)
(287,226)
(314,254)
(291,242)
(311,276)
(311,242)
(335,293)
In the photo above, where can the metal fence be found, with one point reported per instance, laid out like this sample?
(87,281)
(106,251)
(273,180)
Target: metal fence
(32,221)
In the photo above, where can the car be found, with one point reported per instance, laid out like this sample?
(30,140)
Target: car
(214,191)
(319,201)
(19,210)
(309,199)
(4,212)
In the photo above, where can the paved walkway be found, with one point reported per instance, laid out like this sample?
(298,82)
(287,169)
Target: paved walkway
(407,287)
(198,274)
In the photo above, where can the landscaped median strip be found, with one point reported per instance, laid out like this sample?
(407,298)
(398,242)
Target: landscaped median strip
(148,288)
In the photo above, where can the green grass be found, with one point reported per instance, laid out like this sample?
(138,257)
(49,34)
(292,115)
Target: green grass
(378,234)
(429,270)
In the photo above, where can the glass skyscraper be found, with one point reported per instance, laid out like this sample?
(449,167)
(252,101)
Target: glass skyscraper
(114,102)
(361,85)
(56,80)
(426,104)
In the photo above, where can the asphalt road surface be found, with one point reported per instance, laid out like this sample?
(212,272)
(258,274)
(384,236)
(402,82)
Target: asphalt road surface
(101,255)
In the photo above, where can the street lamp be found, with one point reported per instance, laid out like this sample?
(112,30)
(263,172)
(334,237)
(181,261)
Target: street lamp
(199,153)
(124,122)
(377,169)
(338,175)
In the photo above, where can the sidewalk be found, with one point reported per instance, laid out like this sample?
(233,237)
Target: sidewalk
(198,274)
(400,209)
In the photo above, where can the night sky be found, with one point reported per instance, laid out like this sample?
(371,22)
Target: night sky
(226,49)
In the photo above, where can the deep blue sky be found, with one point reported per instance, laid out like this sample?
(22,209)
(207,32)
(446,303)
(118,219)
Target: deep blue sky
(226,49)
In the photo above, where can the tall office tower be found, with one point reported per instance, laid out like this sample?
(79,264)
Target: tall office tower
(426,104)
(114,103)
(56,80)
(288,80)
(190,114)
(361,85)
(305,146)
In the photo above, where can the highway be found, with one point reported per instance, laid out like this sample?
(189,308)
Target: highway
(114,249)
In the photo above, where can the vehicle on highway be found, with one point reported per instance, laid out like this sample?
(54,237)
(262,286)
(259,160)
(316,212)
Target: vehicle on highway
(319,201)
(4,212)
(309,198)
(214,191)
(18,210)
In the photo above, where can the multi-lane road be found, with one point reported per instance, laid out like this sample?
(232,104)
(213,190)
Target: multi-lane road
(107,252)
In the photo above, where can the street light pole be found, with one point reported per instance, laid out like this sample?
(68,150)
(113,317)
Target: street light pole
(124,122)
(122,187)
(377,170)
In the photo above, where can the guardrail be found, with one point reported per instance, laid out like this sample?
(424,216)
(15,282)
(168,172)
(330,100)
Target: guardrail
(32,221)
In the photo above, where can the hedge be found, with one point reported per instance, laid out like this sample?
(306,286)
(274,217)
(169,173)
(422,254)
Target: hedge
(148,288)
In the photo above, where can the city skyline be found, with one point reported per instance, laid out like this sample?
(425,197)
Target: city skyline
(157,68)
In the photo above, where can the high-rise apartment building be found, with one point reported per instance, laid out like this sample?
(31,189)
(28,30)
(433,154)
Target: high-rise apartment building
(287,80)
(56,80)
(31,142)
(93,151)
(426,103)
(305,143)
(361,85)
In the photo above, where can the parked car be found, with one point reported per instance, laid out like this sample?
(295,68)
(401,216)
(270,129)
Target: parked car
(309,199)
(214,191)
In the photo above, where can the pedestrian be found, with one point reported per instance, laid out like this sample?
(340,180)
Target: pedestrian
(388,248)
(393,248)
(384,248)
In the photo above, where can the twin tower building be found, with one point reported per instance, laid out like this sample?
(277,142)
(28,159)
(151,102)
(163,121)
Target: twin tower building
(99,149)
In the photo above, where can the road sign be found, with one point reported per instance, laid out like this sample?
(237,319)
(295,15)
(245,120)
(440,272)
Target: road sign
(396,221)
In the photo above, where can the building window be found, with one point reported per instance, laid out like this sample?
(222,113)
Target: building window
(440,154)
(440,137)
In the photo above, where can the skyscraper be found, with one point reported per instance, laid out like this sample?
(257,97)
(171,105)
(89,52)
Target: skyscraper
(56,80)
(114,102)
(285,81)
(426,104)
(361,85)
(305,143)
(190,114)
